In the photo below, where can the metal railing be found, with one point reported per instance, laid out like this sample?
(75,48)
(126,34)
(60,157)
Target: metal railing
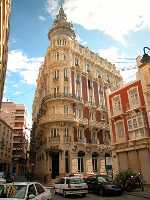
(59,96)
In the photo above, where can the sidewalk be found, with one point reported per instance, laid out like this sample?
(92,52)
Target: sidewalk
(145,194)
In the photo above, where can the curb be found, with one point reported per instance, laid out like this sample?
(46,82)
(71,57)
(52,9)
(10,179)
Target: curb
(139,195)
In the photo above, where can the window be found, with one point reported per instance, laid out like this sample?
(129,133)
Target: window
(88,67)
(119,127)
(136,122)
(57,56)
(89,84)
(54,132)
(66,110)
(66,90)
(94,138)
(116,105)
(31,190)
(76,62)
(78,79)
(66,132)
(56,91)
(65,74)
(81,161)
(94,163)
(80,134)
(133,98)
(135,125)
(56,74)
(39,188)
(78,93)
(130,124)
(90,99)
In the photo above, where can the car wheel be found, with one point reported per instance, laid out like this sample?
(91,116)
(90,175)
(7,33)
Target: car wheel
(83,195)
(64,194)
(101,192)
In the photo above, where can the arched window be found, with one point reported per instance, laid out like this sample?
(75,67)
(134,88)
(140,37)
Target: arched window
(94,161)
(81,155)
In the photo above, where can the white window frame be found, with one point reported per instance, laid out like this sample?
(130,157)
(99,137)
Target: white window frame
(133,105)
(136,118)
(66,132)
(116,111)
(118,136)
(66,110)
(66,90)
(65,73)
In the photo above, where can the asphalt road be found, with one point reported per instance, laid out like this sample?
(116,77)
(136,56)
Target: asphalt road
(96,197)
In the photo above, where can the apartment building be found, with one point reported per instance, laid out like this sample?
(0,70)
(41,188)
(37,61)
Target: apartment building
(17,118)
(6,142)
(130,132)
(5,10)
(143,63)
(70,132)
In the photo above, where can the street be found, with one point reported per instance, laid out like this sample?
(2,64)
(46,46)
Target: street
(96,197)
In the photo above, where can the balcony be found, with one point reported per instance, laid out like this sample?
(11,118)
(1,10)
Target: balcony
(52,97)
(81,141)
(67,139)
(54,141)
(56,117)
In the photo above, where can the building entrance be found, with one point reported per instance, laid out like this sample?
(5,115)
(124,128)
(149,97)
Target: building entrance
(55,164)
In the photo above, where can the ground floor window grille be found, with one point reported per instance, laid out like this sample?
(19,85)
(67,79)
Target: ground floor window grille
(81,162)
(94,162)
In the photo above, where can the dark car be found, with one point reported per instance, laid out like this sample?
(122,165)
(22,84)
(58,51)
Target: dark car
(102,186)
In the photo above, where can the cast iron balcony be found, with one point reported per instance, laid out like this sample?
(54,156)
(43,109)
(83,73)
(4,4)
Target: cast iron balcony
(60,96)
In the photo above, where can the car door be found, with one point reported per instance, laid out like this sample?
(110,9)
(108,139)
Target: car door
(42,194)
(91,182)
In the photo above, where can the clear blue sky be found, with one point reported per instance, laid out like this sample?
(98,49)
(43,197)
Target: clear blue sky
(115,29)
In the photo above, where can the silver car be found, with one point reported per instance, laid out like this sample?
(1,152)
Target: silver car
(71,186)
(24,191)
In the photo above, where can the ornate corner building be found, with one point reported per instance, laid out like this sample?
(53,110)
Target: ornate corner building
(70,132)
(5,10)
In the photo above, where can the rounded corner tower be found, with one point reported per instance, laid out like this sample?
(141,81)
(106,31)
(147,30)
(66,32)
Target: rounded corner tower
(61,27)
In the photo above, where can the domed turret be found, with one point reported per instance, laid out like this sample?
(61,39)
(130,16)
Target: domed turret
(61,26)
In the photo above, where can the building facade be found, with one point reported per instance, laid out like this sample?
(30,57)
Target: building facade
(70,124)
(6,142)
(5,9)
(143,64)
(16,116)
(130,132)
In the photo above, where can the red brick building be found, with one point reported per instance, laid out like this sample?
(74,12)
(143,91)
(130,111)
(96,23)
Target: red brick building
(130,131)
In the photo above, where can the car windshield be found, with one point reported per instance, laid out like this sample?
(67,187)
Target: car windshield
(102,180)
(13,191)
(76,181)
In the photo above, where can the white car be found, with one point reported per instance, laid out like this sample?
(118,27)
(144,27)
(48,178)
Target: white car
(24,191)
(2,179)
(71,186)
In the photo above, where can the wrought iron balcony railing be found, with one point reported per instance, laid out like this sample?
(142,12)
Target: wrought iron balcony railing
(60,96)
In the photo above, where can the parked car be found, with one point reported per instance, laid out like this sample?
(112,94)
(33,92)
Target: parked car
(71,186)
(24,191)
(99,184)
(2,178)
